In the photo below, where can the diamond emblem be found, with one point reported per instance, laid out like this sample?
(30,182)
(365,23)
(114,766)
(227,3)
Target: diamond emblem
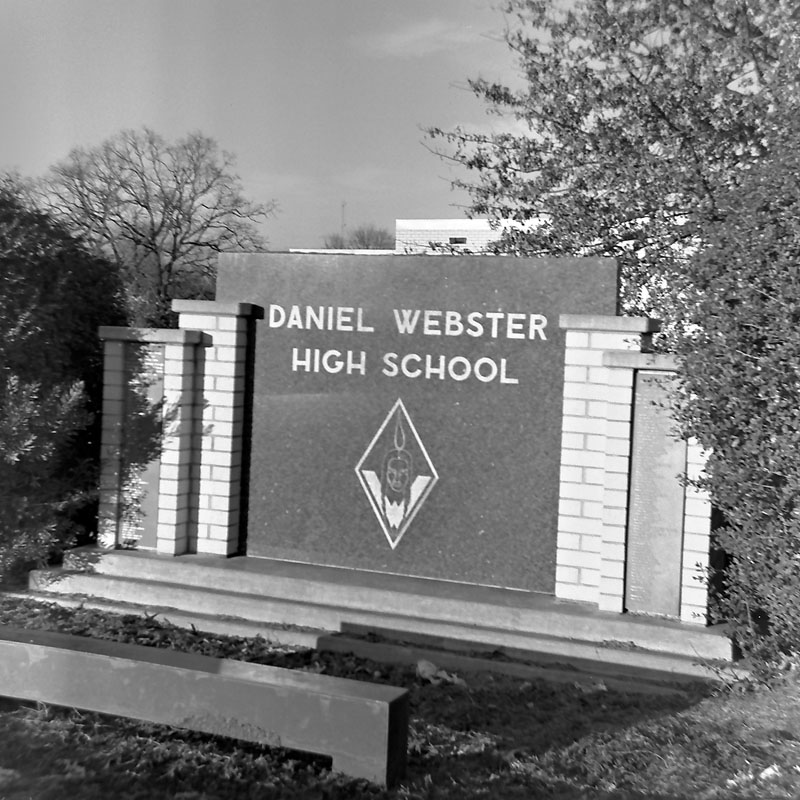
(396,473)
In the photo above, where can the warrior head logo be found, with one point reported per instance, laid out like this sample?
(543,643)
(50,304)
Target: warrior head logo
(396,473)
(396,477)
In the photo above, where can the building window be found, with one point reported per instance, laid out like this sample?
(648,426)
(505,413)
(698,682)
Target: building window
(458,240)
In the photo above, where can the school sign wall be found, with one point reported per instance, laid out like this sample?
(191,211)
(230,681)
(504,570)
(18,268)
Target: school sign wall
(387,438)
(406,412)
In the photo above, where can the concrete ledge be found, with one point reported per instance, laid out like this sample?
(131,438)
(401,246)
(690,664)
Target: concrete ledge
(151,335)
(362,726)
(632,360)
(645,673)
(325,597)
(595,322)
(275,634)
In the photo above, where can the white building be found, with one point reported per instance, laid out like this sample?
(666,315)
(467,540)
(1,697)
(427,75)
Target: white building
(443,235)
(420,236)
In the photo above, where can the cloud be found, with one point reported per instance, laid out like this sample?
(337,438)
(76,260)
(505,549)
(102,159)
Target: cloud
(419,39)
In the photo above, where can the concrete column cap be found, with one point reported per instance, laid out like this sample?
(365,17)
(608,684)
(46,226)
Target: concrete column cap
(212,307)
(149,335)
(609,324)
(661,362)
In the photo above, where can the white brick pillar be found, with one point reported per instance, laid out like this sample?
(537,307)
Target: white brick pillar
(177,493)
(696,530)
(222,418)
(596,471)
(619,426)
(175,450)
(696,540)
(111,439)
(622,369)
(596,410)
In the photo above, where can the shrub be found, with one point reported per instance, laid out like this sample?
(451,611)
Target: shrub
(741,395)
(53,296)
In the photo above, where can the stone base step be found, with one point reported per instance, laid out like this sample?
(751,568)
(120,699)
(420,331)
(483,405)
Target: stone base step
(280,635)
(590,675)
(274,594)
(584,657)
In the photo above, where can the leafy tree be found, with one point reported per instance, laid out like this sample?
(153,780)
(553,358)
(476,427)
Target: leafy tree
(666,134)
(632,116)
(160,210)
(53,296)
(740,373)
(364,237)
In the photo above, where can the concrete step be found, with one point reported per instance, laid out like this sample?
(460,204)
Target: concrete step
(643,673)
(581,664)
(584,657)
(205,601)
(325,597)
(530,655)
(260,596)
(219,624)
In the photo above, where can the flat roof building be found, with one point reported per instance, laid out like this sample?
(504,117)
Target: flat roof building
(443,235)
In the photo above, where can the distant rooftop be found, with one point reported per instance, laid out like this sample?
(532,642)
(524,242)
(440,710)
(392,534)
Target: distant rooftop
(442,235)
(419,236)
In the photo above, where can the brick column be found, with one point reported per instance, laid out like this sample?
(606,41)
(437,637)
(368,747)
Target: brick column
(696,541)
(596,410)
(222,420)
(621,374)
(180,448)
(114,378)
(596,473)
(175,451)
(619,410)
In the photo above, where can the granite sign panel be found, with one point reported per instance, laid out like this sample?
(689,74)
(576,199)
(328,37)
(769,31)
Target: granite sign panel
(406,410)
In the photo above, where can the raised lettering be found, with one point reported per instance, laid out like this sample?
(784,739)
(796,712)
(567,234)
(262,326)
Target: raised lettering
(515,326)
(495,317)
(485,378)
(406,319)
(301,363)
(538,324)
(315,318)
(332,366)
(503,376)
(343,318)
(431,322)
(352,366)
(361,327)
(404,365)
(474,324)
(451,371)
(390,365)
(453,326)
(430,370)
(295,320)
(277,316)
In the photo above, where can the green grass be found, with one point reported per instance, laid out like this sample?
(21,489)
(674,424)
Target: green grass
(496,737)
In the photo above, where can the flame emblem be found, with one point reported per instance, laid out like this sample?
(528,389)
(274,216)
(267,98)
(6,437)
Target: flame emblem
(396,473)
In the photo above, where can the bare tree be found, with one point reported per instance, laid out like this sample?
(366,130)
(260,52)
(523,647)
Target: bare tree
(364,237)
(335,241)
(161,210)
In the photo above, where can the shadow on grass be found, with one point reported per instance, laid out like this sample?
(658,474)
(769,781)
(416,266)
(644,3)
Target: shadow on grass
(496,736)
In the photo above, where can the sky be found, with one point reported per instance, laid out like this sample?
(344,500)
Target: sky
(322,102)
